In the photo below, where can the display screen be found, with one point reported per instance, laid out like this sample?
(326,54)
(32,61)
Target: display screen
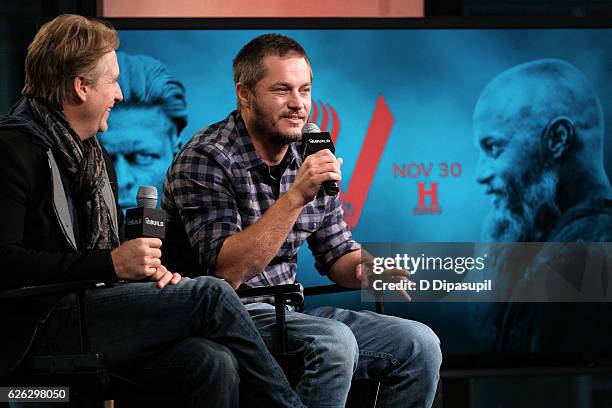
(448,135)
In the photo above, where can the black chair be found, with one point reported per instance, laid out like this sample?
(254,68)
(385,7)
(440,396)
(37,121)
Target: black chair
(90,382)
(88,379)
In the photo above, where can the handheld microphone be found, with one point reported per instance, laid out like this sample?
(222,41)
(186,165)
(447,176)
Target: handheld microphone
(145,220)
(314,140)
(146,197)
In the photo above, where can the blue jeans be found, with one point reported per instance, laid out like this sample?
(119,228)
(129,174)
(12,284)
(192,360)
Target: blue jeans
(193,341)
(340,345)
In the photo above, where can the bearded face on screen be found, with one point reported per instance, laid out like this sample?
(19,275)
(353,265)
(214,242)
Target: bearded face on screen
(523,205)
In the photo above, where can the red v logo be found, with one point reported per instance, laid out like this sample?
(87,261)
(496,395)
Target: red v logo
(371,151)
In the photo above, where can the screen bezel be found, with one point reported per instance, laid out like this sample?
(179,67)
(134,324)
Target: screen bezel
(358,23)
(461,365)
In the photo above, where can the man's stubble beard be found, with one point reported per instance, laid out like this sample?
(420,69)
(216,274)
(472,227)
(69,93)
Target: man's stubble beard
(526,210)
(264,126)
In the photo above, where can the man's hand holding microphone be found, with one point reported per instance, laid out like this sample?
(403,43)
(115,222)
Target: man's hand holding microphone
(320,168)
(139,258)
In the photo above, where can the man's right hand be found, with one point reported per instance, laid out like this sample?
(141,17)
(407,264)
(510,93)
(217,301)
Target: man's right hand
(137,259)
(317,168)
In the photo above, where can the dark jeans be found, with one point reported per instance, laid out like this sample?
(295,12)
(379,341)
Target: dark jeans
(193,340)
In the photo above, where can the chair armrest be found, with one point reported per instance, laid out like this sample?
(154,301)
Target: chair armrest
(290,291)
(51,289)
(77,287)
(326,289)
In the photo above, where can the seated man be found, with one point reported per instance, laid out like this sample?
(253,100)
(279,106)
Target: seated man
(248,201)
(188,338)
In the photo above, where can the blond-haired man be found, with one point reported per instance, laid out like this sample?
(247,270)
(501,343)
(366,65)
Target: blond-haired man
(188,339)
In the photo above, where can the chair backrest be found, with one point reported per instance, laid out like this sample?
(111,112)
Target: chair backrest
(177,253)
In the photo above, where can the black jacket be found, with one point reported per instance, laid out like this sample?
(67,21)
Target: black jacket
(34,245)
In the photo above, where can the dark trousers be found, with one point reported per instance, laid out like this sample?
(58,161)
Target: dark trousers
(193,341)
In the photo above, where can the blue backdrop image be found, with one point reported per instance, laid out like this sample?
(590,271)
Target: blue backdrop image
(402,101)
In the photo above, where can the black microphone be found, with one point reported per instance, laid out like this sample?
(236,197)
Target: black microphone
(145,220)
(314,140)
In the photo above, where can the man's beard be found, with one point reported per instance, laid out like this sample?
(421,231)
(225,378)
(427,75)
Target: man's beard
(525,209)
(263,123)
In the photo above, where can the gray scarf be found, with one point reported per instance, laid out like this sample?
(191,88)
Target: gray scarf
(82,163)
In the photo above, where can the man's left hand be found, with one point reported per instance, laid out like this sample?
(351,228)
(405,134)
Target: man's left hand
(365,275)
(163,276)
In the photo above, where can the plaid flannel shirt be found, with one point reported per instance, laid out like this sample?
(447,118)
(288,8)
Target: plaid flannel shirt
(218,185)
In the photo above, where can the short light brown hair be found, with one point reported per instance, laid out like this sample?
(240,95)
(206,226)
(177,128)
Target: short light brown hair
(66,47)
(248,64)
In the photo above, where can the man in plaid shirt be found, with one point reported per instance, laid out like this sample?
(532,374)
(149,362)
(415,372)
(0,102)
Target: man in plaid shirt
(248,201)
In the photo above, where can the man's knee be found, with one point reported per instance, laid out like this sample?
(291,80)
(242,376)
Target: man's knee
(210,364)
(418,344)
(224,366)
(338,346)
(192,368)
(211,283)
(210,288)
